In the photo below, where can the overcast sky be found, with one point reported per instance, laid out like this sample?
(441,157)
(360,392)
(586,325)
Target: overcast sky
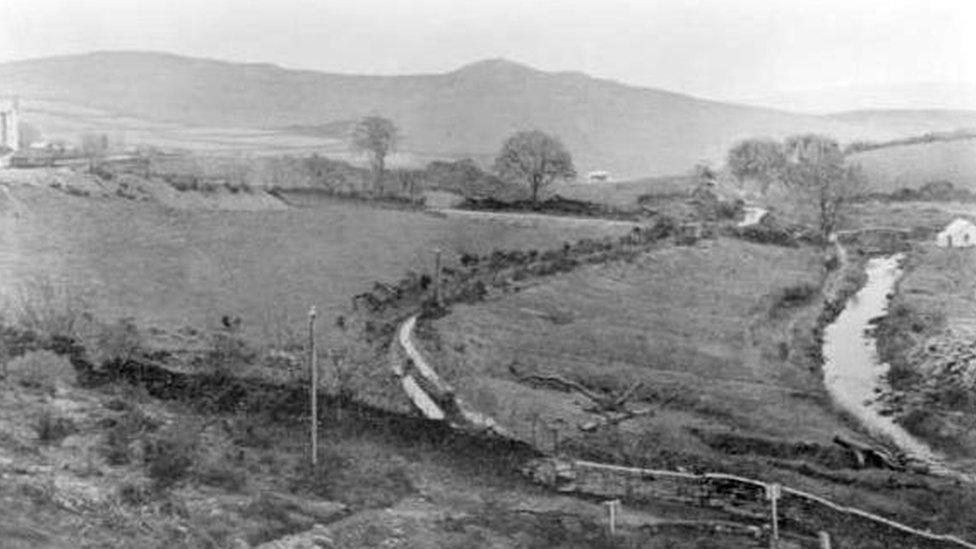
(722,49)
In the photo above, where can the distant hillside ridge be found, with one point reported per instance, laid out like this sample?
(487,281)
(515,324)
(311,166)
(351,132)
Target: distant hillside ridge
(931,137)
(607,125)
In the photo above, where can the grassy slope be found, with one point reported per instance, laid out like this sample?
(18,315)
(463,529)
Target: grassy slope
(172,268)
(692,323)
(892,168)
(909,121)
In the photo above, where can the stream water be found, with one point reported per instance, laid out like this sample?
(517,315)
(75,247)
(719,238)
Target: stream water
(852,369)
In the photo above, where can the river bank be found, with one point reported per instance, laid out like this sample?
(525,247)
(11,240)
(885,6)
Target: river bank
(928,339)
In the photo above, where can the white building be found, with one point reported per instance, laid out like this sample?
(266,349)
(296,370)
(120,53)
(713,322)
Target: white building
(598,176)
(9,129)
(961,233)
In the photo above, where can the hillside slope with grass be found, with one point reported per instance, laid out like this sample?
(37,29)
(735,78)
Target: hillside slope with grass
(176,267)
(630,131)
(707,329)
(909,121)
(912,166)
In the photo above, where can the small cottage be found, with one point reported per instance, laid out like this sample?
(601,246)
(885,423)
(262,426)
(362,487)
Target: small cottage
(961,233)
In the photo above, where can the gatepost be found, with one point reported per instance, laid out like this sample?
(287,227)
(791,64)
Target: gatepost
(773,492)
(612,508)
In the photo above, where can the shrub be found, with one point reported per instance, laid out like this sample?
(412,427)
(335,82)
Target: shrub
(134,494)
(51,427)
(172,453)
(41,369)
(50,310)
(797,295)
(358,479)
(767,234)
(124,431)
(222,475)
(228,350)
(120,340)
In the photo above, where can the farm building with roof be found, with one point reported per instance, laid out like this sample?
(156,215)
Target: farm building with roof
(961,233)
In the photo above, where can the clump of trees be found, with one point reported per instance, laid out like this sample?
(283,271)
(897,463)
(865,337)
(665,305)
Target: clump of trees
(377,137)
(811,167)
(536,159)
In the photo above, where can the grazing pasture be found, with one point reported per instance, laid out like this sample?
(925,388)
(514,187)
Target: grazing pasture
(716,332)
(171,268)
(912,166)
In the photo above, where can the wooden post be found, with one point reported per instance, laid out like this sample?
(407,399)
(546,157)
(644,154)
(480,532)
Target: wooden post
(313,389)
(824,539)
(611,508)
(773,493)
(437,277)
(555,439)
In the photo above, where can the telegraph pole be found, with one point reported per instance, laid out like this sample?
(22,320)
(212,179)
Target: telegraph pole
(313,390)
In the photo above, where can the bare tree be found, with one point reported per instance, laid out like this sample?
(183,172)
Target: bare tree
(377,137)
(536,158)
(816,169)
(812,167)
(762,160)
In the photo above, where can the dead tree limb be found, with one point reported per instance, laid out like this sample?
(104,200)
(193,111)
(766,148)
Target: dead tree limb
(603,403)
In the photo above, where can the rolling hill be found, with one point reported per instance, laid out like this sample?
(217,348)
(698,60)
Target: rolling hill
(909,121)
(627,130)
(911,166)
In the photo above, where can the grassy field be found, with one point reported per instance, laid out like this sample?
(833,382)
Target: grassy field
(172,268)
(912,166)
(700,326)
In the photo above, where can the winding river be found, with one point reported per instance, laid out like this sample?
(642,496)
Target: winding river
(852,369)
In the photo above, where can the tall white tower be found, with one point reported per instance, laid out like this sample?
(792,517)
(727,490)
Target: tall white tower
(10,123)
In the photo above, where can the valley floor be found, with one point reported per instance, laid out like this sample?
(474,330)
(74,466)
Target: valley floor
(721,335)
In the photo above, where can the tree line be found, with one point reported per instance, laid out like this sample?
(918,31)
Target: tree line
(532,157)
(812,168)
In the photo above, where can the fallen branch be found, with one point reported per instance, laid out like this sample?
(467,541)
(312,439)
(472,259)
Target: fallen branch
(603,404)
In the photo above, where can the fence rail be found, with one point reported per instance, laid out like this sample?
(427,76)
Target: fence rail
(579,466)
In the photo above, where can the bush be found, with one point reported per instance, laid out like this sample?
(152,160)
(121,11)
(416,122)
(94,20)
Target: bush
(763,233)
(797,295)
(172,453)
(134,494)
(51,427)
(123,432)
(42,369)
(50,310)
(222,475)
(360,480)
(118,341)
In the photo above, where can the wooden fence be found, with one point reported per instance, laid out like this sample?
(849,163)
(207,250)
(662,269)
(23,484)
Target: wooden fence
(745,498)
